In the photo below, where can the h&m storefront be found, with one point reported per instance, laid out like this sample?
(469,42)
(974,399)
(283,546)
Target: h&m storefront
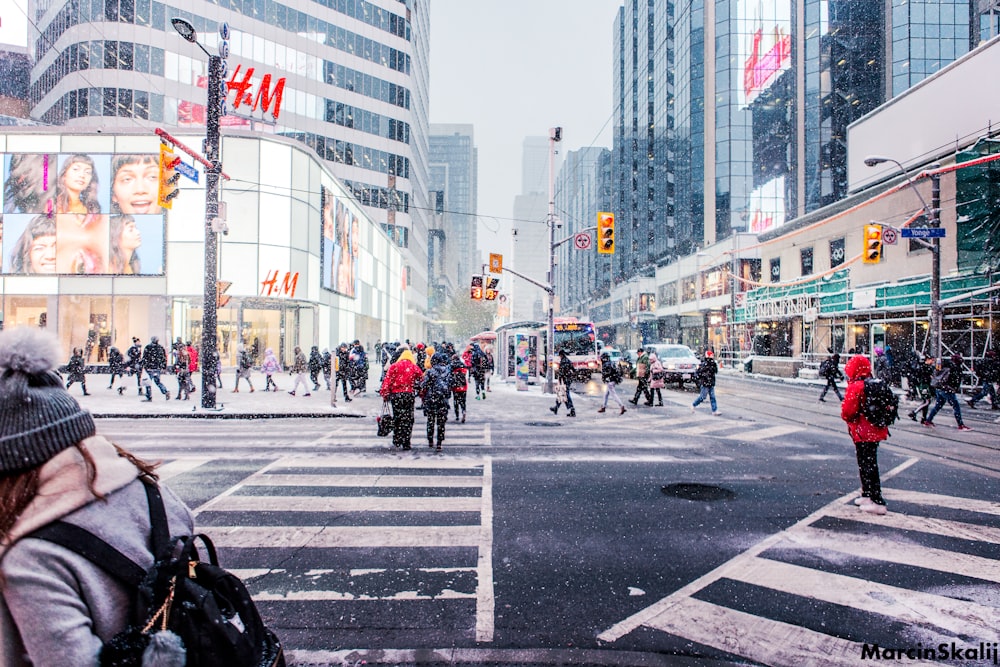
(88,253)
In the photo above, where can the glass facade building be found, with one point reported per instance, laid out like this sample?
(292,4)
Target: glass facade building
(353,87)
(454,171)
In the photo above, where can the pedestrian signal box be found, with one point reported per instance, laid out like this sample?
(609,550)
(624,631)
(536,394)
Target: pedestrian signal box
(491,291)
(606,233)
(476,292)
(873,244)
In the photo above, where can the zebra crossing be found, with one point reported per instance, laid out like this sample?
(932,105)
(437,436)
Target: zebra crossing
(918,583)
(367,533)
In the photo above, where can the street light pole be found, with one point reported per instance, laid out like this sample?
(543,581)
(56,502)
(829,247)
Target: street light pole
(209,321)
(555,135)
(933,216)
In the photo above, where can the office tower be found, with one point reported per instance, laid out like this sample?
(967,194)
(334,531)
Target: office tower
(454,171)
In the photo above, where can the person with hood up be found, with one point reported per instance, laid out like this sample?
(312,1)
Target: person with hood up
(883,367)
(270,366)
(299,368)
(315,366)
(866,436)
(435,388)
(830,371)
(343,371)
(397,389)
(947,382)
(564,376)
(77,369)
(56,607)
(657,379)
(459,385)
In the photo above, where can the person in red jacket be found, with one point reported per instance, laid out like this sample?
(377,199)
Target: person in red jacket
(398,388)
(865,435)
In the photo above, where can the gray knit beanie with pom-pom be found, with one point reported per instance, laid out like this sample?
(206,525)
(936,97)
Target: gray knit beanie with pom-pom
(38,417)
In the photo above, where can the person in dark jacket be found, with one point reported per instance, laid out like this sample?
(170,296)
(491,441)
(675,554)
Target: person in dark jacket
(988,372)
(154,362)
(706,373)
(77,369)
(398,387)
(327,367)
(830,371)
(866,436)
(921,379)
(565,376)
(947,382)
(315,366)
(134,363)
(459,385)
(435,388)
(116,366)
(611,376)
(343,372)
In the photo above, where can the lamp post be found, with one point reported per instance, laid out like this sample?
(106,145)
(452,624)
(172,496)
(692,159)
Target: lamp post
(932,212)
(698,289)
(209,323)
(555,135)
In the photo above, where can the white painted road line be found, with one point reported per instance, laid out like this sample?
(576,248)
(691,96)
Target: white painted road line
(937,500)
(485,601)
(376,481)
(180,466)
(259,503)
(320,537)
(765,433)
(921,524)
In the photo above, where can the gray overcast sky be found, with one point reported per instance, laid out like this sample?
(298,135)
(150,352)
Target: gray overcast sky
(513,69)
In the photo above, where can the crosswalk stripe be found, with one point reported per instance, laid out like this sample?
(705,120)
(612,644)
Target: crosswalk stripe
(760,639)
(705,428)
(950,502)
(322,537)
(958,617)
(348,461)
(921,524)
(485,600)
(180,466)
(241,503)
(772,432)
(879,548)
(376,481)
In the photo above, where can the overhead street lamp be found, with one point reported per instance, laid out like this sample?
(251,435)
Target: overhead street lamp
(932,212)
(555,135)
(209,323)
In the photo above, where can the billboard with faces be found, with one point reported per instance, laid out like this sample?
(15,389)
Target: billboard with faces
(79,213)
(341,243)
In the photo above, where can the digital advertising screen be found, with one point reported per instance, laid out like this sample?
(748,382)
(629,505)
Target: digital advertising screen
(76,213)
(765,44)
(341,242)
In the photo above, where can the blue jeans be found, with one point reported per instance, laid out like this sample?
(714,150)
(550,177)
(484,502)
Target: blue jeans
(154,376)
(708,392)
(942,398)
(986,388)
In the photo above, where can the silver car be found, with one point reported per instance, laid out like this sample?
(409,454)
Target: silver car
(679,362)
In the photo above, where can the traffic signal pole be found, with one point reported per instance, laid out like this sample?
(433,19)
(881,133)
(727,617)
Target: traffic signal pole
(555,135)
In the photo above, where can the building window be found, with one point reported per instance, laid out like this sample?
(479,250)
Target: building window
(836,252)
(776,270)
(807,261)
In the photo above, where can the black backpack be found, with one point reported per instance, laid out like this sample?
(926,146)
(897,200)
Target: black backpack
(208,608)
(879,404)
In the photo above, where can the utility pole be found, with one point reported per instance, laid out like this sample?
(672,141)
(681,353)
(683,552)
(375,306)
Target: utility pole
(555,135)
(935,220)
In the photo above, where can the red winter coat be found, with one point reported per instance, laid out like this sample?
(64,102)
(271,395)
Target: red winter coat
(401,378)
(857,369)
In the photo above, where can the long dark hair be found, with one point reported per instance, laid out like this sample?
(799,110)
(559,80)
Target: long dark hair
(89,195)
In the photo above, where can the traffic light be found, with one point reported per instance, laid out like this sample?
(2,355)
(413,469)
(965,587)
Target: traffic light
(491,289)
(606,233)
(873,244)
(168,177)
(477,288)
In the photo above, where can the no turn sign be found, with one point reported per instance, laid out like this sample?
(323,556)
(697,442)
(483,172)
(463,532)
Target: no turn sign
(582,241)
(889,236)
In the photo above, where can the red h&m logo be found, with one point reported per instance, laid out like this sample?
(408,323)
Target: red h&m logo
(264,97)
(287,287)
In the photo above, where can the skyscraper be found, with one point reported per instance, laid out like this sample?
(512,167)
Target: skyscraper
(454,171)
(347,78)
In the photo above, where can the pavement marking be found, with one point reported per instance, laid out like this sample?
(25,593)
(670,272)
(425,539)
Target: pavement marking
(959,617)
(487,435)
(643,616)
(707,428)
(377,481)
(322,537)
(485,600)
(937,500)
(261,503)
(921,524)
(760,639)
(180,466)
(765,433)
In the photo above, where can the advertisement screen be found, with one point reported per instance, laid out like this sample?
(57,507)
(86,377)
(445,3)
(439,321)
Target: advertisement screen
(765,44)
(75,213)
(767,206)
(341,242)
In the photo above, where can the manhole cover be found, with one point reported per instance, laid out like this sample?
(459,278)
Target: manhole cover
(701,492)
(542,424)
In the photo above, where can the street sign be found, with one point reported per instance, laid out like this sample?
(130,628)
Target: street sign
(187,170)
(889,236)
(581,241)
(923,232)
(496,263)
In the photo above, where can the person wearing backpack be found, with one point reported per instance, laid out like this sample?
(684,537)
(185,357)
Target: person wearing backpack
(398,387)
(459,385)
(947,382)
(56,607)
(478,364)
(564,376)
(435,389)
(866,436)
(830,369)
(611,375)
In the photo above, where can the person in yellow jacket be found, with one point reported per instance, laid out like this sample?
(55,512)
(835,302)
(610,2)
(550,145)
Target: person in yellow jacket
(427,359)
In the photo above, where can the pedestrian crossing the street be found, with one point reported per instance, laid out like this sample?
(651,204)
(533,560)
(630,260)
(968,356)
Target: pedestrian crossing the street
(843,585)
(349,539)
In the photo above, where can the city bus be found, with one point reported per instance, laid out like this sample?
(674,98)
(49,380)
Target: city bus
(579,339)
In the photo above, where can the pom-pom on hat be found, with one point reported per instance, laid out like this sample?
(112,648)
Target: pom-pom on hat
(38,417)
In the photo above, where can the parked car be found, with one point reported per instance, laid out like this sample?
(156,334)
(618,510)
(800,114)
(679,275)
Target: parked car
(678,361)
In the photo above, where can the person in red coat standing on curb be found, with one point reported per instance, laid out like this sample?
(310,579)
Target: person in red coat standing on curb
(398,388)
(866,436)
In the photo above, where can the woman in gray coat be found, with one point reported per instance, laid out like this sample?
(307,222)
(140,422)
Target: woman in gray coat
(57,608)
